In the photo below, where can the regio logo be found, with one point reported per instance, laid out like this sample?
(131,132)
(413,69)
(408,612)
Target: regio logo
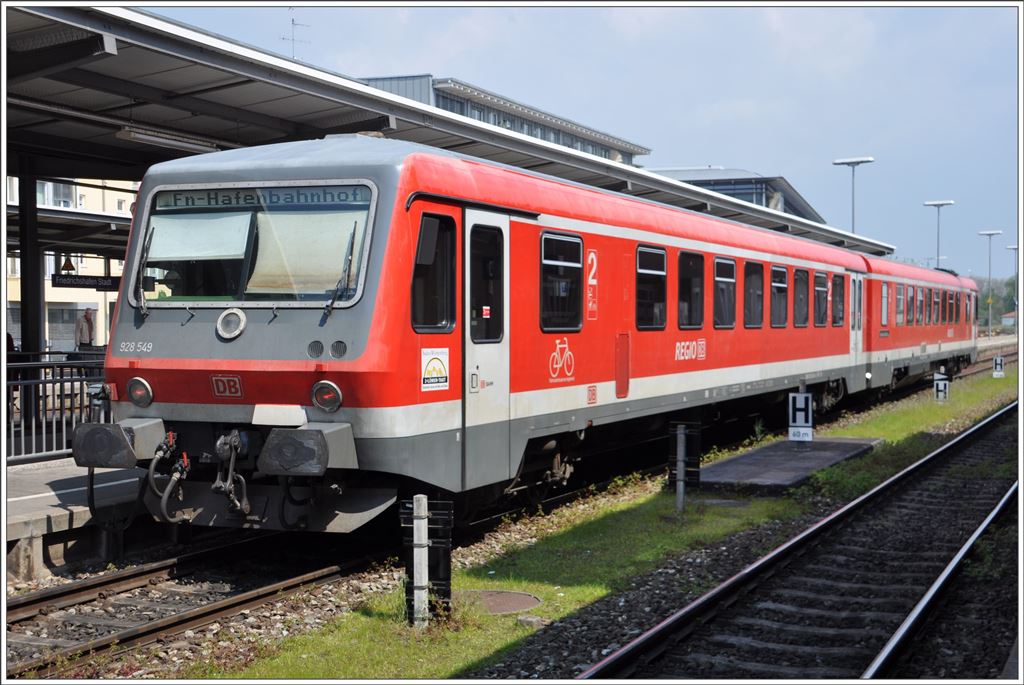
(691,349)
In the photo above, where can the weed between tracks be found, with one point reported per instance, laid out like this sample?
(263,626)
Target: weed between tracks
(591,548)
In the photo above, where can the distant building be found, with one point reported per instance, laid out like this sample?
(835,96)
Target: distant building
(1009,318)
(474,102)
(774,192)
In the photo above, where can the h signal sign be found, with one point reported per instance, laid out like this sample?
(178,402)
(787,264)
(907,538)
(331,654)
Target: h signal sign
(801,416)
(941,387)
(997,367)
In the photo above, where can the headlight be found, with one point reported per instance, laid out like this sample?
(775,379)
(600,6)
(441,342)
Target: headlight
(139,392)
(326,395)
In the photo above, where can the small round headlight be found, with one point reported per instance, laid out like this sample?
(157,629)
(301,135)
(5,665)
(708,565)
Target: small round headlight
(139,392)
(326,395)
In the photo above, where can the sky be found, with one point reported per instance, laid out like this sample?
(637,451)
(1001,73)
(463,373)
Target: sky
(932,93)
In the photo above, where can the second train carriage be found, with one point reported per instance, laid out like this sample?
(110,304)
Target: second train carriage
(305,330)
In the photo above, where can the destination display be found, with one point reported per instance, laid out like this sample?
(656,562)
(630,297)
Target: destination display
(306,196)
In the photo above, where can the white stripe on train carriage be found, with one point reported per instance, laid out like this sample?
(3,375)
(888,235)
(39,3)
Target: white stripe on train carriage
(433,417)
(535,403)
(909,353)
(645,236)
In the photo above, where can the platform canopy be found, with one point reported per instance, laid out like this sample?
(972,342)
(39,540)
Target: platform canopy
(105,92)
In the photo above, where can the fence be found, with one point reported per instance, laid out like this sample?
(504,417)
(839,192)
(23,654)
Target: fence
(47,396)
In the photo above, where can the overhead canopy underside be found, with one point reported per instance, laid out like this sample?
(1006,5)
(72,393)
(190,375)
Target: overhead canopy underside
(106,92)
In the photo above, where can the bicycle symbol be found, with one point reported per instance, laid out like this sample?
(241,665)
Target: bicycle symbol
(561,359)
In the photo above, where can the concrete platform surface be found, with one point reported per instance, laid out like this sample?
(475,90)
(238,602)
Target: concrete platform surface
(998,341)
(50,497)
(782,464)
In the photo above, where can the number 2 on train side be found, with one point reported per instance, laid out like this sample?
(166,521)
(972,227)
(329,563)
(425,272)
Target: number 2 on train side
(591,285)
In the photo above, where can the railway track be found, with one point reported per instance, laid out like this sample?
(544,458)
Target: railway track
(49,630)
(834,601)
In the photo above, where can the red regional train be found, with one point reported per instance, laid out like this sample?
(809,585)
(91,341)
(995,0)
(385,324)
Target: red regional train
(307,330)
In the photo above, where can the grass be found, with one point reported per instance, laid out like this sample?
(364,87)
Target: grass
(585,554)
(911,428)
(591,548)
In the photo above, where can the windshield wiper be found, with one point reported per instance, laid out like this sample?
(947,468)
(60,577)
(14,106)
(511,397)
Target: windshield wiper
(343,281)
(140,292)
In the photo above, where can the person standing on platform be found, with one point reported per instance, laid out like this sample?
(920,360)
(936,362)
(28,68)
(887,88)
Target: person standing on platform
(84,330)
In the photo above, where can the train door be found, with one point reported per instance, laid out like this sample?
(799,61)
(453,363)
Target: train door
(857,319)
(486,349)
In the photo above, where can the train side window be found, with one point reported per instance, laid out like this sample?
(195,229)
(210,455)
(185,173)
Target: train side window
(935,306)
(561,281)
(956,306)
(725,293)
(899,304)
(949,306)
(780,297)
(801,305)
(820,299)
(977,312)
(753,295)
(486,284)
(910,305)
(884,321)
(838,299)
(433,276)
(922,297)
(691,290)
(651,264)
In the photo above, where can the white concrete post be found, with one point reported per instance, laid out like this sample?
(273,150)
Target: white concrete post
(420,549)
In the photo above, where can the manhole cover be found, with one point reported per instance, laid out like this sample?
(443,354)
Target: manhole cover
(497,602)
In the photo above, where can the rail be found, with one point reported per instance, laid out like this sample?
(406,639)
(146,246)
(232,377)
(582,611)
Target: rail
(651,643)
(47,396)
(901,639)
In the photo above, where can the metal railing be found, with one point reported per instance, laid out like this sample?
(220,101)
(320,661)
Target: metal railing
(47,396)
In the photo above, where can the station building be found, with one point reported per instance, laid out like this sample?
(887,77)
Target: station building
(774,192)
(471,101)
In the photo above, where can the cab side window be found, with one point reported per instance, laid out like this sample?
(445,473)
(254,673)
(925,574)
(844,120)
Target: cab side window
(433,276)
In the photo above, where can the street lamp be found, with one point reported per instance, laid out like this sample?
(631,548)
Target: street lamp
(938,205)
(853,162)
(989,234)
(1016,287)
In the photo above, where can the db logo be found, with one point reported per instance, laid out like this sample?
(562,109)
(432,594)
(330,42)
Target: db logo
(226,386)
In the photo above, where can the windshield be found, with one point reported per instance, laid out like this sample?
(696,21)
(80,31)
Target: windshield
(292,243)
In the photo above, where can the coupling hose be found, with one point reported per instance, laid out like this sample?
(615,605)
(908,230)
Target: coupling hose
(171,487)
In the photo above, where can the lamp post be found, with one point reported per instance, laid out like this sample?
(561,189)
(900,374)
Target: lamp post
(989,234)
(938,205)
(853,163)
(1016,287)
